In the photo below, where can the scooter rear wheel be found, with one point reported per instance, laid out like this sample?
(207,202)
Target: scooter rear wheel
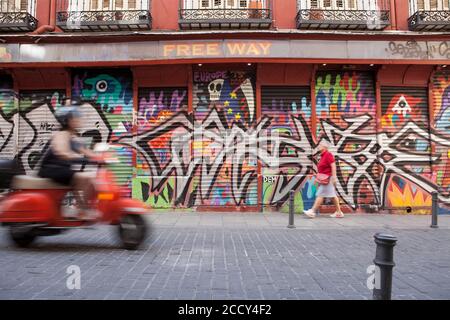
(132,231)
(21,238)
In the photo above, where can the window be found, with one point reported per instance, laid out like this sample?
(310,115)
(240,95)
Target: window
(205,3)
(243,4)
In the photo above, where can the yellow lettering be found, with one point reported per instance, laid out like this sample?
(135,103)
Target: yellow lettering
(168,48)
(197,49)
(265,47)
(237,48)
(183,50)
(253,50)
(212,49)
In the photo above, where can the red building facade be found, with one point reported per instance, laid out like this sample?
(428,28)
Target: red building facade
(220,104)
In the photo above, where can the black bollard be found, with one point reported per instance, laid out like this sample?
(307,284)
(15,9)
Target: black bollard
(434,210)
(291,210)
(384,262)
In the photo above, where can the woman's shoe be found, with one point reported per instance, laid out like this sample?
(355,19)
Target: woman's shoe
(309,213)
(337,215)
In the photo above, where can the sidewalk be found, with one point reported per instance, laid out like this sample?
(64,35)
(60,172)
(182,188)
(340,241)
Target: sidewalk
(233,256)
(280,220)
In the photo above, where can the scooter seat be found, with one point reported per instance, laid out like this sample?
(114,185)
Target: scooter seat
(33,183)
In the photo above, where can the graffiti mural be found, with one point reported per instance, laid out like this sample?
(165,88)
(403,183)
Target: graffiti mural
(156,107)
(7,111)
(223,152)
(441,111)
(399,106)
(224,109)
(283,105)
(346,111)
(105,96)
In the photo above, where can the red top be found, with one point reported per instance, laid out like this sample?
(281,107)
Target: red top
(325,162)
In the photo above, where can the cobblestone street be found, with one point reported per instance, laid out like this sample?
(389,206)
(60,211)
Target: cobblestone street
(233,256)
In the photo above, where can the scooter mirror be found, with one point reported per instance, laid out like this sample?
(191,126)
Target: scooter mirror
(101,147)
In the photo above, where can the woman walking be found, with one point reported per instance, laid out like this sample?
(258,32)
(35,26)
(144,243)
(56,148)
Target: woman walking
(327,180)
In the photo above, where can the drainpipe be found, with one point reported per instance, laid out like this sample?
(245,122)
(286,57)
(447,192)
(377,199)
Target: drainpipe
(48,27)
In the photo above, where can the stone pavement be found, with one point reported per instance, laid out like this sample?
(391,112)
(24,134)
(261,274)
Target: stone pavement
(233,256)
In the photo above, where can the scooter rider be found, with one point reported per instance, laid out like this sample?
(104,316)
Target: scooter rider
(64,150)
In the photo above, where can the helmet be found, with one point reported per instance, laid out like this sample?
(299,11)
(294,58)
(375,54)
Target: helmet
(64,114)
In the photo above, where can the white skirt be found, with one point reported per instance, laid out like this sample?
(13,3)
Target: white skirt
(326,190)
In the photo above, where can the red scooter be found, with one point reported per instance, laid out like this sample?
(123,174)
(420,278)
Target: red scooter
(34,207)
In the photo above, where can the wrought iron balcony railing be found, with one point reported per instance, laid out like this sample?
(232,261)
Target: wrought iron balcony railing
(343,14)
(103,15)
(17,15)
(427,15)
(225,14)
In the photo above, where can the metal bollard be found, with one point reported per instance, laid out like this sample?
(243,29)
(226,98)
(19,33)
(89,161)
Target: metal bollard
(384,261)
(434,210)
(291,224)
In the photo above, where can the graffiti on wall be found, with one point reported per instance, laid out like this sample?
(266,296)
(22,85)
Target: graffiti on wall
(399,107)
(346,110)
(218,153)
(441,104)
(7,110)
(153,183)
(108,94)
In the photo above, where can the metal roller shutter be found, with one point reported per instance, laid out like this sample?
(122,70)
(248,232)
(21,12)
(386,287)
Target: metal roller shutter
(7,111)
(288,147)
(406,149)
(224,113)
(441,141)
(105,97)
(36,125)
(346,115)
(164,153)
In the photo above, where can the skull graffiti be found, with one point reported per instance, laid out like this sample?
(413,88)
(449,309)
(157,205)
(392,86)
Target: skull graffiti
(215,89)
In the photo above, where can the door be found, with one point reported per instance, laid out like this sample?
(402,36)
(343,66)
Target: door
(441,112)
(286,147)
(346,116)
(8,111)
(106,101)
(162,174)
(224,147)
(37,123)
(406,153)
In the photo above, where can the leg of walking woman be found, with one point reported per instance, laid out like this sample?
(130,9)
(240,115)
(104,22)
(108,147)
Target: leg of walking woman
(338,213)
(312,212)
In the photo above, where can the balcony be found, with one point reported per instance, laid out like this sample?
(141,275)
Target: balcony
(429,15)
(103,15)
(17,15)
(343,14)
(225,14)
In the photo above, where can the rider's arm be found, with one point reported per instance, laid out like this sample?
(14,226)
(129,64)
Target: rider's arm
(87,152)
(61,146)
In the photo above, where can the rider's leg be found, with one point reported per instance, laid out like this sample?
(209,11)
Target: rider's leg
(84,187)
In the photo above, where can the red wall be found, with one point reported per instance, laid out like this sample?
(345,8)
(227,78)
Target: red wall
(41,78)
(405,75)
(165,14)
(43,11)
(285,74)
(284,14)
(401,14)
(160,76)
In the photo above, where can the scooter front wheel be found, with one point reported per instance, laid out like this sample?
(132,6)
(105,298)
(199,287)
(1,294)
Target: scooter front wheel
(21,236)
(132,231)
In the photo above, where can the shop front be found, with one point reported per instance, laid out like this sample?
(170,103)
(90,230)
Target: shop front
(234,124)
